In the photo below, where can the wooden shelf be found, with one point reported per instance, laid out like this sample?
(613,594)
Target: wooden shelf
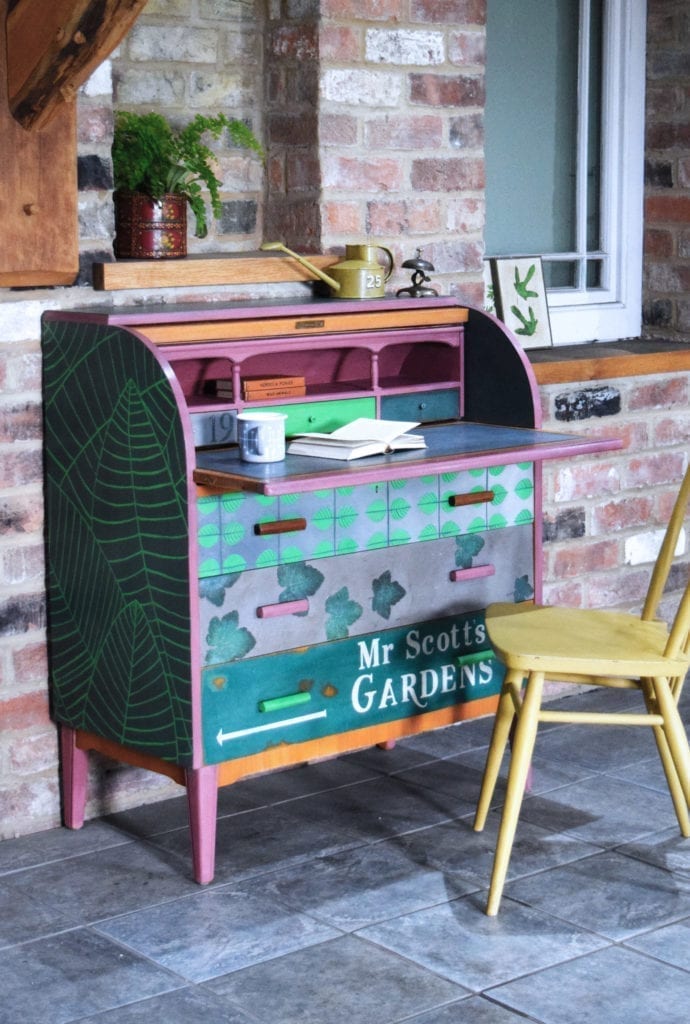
(606,360)
(219,269)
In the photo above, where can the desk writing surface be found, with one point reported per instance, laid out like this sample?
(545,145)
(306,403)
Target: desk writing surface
(450,447)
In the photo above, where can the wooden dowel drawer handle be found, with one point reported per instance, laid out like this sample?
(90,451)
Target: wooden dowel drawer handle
(475,656)
(280,526)
(272,611)
(473,498)
(476,572)
(283,703)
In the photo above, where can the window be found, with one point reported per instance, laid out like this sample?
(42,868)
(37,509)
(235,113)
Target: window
(565,154)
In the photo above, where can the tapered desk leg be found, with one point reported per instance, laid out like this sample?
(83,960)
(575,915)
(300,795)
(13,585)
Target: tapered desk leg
(202,799)
(74,765)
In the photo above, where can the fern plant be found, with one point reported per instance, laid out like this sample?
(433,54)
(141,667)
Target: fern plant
(152,157)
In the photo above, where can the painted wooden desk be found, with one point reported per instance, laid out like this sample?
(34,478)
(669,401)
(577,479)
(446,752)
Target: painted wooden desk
(211,618)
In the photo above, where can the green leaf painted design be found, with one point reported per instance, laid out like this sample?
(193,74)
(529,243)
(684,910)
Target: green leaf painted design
(387,592)
(291,553)
(267,558)
(429,532)
(376,541)
(209,567)
(500,494)
(428,503)
(524,489)
(116,518)
(496,470)
(448,478)
(525,516)
(523,589)
(233,533)
(397,537)
(497,522)
(207,536)
(346,516)
(346,545)
(213,590)
(298,580)
(231,502)
(376,511)
(322,517)
(467,548)
(226,640)
(449,529)
(341,612)
(399,509)
(476,525)
(233,564)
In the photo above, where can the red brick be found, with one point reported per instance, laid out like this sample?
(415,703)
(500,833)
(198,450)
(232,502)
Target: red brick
(654,469)
(447,90)
(569,594)
(23,467)
(25,710)
(338,129)
(673,209)
(659,394)
(343,218)
(584,558)
(399,217)
(449,12)
(21,422)
(30,663)
(467,48)
(658,243)
(340,43)
(667,135)
(303,170)
(295,42)
(618,589)
(285,129)
(362,10)
(586,480)
(35,752)
(362,174)
(408,133)
(453,174)
(619,515)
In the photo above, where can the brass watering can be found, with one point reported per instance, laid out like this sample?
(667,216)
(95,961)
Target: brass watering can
(358,276)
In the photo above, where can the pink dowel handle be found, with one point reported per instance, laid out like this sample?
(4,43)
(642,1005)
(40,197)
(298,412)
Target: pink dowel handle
(272,611)
(475,572)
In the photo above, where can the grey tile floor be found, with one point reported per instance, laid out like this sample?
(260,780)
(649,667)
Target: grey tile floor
(352,892)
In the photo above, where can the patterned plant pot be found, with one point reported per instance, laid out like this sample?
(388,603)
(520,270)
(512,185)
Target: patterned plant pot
(147,228)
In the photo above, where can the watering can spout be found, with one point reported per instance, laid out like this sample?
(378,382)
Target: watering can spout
(279,247)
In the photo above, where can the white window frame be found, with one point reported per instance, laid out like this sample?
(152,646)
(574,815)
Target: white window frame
(614,310)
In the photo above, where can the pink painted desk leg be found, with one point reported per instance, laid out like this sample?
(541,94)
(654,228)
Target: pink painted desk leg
(74,764)
(202,799)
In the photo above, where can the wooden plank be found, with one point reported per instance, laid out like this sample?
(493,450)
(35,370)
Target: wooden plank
(604,362)
(228,268)
(53,48)
(38,195)
(271,327)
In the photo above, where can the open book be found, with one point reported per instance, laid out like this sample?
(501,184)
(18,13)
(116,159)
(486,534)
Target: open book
(357,439)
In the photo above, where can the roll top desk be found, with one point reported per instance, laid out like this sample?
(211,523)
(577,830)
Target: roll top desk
(209,618)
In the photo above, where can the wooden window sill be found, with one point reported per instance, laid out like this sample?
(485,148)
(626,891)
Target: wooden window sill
(605,360)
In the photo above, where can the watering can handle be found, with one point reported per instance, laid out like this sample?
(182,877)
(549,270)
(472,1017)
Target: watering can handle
(389,257)
(279,247)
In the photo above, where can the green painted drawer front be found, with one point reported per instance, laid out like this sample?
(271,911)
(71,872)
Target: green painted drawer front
(429,407)
(248,707)
(360,517)
(323,417)
(259,612)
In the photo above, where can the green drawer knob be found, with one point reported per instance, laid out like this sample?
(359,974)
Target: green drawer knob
(474,657)
(282,703)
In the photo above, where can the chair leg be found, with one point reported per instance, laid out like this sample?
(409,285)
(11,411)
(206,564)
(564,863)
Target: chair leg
(674,733)
(523,746)
(505,716)
(670,770)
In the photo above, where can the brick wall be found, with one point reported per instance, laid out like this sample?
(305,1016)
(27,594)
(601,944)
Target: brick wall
(666,288)
(399,85)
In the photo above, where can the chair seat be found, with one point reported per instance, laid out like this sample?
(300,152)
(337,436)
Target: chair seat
(580,642)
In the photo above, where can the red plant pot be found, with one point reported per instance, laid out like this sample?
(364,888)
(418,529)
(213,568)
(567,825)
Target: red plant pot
(147,228)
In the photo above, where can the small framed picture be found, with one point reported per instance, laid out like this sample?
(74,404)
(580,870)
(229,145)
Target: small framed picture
(520,298)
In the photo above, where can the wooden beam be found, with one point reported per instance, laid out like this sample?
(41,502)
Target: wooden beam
(204,270)
(38,195)
(53,48)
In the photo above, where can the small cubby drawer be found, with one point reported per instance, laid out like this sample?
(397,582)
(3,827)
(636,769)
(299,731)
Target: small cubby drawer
(323,417)
(423,406)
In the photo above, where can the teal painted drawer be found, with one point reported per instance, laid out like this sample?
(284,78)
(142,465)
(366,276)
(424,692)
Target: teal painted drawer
(349,684)
(426,407)
(323,417)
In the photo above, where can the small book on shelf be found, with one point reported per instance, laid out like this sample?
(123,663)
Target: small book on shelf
(256,388)
(358,439)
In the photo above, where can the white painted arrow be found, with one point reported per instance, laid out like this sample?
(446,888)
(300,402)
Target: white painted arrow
(223,737)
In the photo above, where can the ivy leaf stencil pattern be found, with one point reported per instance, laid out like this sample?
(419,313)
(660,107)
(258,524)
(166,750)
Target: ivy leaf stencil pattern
(213,588)
(523,590)
(387,592)
(468,547)
(298,580)
(227,640)
(342,612)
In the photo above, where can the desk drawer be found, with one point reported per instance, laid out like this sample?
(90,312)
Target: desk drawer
(323,417)
(422,407)
(348,684)
(259,612)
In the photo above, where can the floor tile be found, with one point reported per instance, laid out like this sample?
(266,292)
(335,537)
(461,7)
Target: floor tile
(475,733)
(615,895)
(254,842)
(473,1010)
(67,977)
(57,844)
(613,985)
(359,887)
(667,849)
(458,941)
(303,780)
(185,1006)
(599,747)
(670,944)
(347,981)
(601,810)
(216,931)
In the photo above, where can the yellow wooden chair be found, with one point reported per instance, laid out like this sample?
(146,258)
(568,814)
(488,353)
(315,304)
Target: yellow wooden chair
(597,648)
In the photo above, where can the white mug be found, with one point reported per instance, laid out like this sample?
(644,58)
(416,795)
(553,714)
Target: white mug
(261,436)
